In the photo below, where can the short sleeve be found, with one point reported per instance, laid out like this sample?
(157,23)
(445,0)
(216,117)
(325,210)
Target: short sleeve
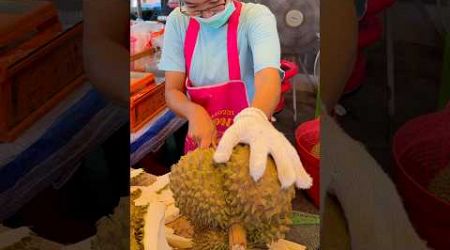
(263,39)
(172,57)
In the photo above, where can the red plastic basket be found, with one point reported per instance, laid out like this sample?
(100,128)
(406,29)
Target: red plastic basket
(290,69)
(421,148)
(376,6)
(370,30)
(307,136)
(358,74)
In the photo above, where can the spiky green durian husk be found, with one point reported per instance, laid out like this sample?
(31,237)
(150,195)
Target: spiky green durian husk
(259,201)
(261,235)
(24,244)
(137,215)
(115,226)
(197,187)
(218,195)
(263,207)
(142,179)
(209,239)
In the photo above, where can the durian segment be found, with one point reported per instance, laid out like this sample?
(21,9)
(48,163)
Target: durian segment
(135,194)
(149,195)
(135,172)
(172,213)
(141,178)
(160,182)
(116,226)
(178,242)
(154,229)
(137,215)
(198,190)
(169,230)
(13,236)
(182,227)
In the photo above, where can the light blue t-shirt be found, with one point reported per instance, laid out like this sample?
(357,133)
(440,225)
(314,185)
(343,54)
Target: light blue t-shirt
(258,45)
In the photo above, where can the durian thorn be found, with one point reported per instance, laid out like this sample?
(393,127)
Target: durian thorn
(237,237)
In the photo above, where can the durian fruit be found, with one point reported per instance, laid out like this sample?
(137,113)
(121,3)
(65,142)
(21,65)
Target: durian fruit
(141,178)
(217,196)
(115,226)
(137,222)
(197,188)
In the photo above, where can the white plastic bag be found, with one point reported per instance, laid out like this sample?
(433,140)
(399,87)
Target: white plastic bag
(145,35)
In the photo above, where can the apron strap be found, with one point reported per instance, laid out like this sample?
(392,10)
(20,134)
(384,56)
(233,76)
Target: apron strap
(189,43)
(234,69)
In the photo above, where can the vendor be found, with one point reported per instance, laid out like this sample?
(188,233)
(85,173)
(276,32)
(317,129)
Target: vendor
(222,64)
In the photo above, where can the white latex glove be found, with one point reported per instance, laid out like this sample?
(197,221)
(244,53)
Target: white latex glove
(251,126)
(373,209)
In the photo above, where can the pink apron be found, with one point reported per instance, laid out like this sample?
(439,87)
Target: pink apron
(223,101)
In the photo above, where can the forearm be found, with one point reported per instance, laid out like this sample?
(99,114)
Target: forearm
(105,47)
(267,90)
(176,98)
(107,67)
(178,102)
(339,36)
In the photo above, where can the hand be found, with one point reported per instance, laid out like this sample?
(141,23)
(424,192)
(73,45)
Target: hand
(252,127)
(201,127)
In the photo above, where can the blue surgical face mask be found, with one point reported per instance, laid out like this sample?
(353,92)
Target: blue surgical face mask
(219,19)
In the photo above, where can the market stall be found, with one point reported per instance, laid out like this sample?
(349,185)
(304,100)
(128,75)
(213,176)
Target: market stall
(159,218)
(50,151)
(151,121)
(46,127)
